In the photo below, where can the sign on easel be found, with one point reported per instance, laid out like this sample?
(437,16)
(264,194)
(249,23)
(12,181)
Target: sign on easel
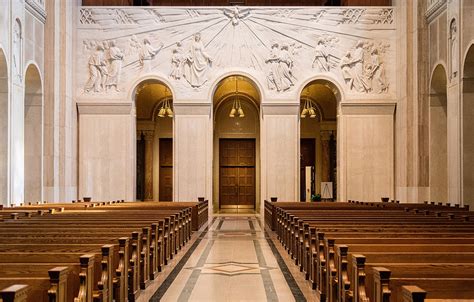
(326,190)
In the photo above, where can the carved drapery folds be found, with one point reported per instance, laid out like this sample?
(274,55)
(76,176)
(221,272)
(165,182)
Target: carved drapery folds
(280,76)
(363,68)
(280,46)
(453,48)
(17,51)
(197,63)
(104,65)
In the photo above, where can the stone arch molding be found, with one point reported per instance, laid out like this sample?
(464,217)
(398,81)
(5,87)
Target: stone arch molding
(439,64)
(4,54)
(29,64)
(280,47)
(244,73)
(131,89)
(335,86)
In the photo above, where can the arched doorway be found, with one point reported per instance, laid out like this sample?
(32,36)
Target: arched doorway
(33,134)
(3,129)
(318,137)
(438,143)
(236,181)
(468,125)
(154,133)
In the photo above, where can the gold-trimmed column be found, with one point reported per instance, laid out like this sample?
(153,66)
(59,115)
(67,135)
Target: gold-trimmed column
(148,135)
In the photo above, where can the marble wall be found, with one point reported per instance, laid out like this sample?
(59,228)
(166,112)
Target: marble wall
(22,48)
(106,154)
(89,61)
(449,35)
(366,137)
(3,128)
(166,48)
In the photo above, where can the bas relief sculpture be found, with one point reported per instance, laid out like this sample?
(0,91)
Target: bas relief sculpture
(147,54)
(197,63)
(363,69)
(115,58)
(280,76)
(104,66)
(17,51)
(324,57)
(279,46)
(453,48)
(177,62)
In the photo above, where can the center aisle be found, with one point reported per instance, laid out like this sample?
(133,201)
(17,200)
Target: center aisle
(233,260)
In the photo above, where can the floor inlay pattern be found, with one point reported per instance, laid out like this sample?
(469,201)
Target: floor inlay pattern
(232,260)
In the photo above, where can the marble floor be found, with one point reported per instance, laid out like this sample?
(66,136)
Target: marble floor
(233,259)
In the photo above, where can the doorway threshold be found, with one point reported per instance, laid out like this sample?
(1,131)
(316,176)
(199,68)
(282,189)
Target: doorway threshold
(236,211)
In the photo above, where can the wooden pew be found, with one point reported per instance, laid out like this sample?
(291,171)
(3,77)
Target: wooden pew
(139,238)
(426,228)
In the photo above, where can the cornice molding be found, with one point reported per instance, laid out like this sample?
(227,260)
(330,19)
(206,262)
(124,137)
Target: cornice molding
(36,9)
(435,9)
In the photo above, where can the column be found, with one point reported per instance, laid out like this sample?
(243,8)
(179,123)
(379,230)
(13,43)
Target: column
(280,165)
(148,135)
(326,156)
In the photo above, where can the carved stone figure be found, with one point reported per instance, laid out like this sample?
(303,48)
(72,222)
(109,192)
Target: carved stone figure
(321,57)
(280,76)
(454,48)
(286,66)
(97,70)
(134,46)
(197,63)
(274,76)
(346,68)
(147,54)
(235,14)
(177,62)
(377,72)
(363,68)
(360,83)
(16,51)
(115,58)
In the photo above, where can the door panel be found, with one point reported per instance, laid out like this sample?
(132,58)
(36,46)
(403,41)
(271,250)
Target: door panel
(237,173)
(229,153)
(246,153)
(307,158)
(166,169)
(247,186)
(228,186)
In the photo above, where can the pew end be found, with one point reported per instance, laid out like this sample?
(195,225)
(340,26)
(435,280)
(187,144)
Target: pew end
(15,293)
(412,293)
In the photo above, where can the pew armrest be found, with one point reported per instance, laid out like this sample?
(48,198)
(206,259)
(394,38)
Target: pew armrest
(14,293)
(412,293)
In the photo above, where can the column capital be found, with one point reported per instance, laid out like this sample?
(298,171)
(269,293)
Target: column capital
(326,135)
(148,135)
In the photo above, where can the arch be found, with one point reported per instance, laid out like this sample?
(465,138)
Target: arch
(436,75)
(148,77)
(318,136)
(33,133)
(242,73)
(4,121)
(467,126)
(325,79)
(236,134)
(148,95)
(438,145)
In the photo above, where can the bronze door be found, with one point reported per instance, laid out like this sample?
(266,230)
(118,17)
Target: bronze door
(166,169)
(237,173)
